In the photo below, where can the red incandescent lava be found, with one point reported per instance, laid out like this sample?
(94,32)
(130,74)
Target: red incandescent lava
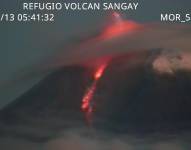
(100,71)
(87,105)
(86,102)
(117,28)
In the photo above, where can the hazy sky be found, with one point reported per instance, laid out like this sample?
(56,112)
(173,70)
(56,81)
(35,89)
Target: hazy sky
(26,44)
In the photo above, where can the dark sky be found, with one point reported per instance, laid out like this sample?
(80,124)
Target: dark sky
(26,44)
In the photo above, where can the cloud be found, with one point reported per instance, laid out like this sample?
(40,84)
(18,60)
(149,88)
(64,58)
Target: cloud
(8,143)
(145,37)
(168,62)
(82,140)
(89,138)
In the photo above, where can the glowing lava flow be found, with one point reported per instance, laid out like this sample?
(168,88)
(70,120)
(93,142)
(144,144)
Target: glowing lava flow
(87,105)
(117,28)
(113,30)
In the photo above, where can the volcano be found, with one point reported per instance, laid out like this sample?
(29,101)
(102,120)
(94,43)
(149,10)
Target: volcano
(129,97)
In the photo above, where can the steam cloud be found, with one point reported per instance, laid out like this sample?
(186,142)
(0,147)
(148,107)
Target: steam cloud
(82,139)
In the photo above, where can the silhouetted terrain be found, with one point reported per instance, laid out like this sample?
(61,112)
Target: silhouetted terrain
(130,97)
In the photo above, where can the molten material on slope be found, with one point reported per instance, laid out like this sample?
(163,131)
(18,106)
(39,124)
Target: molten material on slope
(87,104)
(117,28)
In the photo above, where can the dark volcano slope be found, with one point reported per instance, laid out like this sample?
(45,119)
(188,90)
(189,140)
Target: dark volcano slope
(48,107)
(130,96)
(60,91)
(133,97)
